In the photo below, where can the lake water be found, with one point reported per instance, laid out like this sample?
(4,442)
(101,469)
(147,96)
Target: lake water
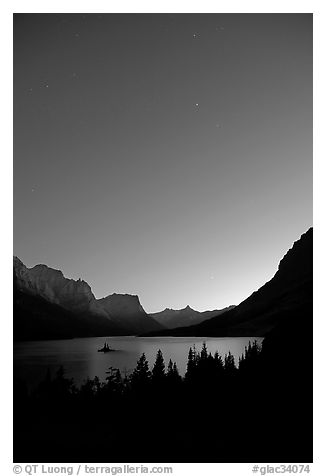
(80,358)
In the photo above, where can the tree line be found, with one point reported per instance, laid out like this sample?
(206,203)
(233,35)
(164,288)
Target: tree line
(219,411)
(203,368)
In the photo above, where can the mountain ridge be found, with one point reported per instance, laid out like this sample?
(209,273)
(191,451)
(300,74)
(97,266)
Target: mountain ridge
(41,284)
(287,294)
(173,318)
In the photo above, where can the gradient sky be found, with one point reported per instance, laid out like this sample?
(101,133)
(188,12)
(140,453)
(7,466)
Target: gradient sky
(168,156)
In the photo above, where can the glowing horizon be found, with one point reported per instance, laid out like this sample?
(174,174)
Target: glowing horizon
(168,156)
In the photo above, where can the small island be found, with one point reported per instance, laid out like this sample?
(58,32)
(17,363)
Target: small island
(106,348)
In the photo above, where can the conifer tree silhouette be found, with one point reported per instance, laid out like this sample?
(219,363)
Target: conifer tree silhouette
(176,374)
(158,372)
(229,364)
(169,372)
(219,365)
(204,352)
(141,375)
(191,364)
(173,377)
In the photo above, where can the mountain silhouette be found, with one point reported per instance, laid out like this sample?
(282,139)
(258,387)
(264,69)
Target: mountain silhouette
(172,318)
(287,294)
(48,305)
(128,312)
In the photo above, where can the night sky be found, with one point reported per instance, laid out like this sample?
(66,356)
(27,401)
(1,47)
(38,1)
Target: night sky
(165,155)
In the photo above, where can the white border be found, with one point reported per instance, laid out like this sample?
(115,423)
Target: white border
(7,9)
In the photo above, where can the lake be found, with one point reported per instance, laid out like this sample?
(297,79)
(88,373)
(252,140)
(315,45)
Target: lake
(80,358)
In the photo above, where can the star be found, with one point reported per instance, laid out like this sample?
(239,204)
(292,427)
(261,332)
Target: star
(195,35)
(197,104)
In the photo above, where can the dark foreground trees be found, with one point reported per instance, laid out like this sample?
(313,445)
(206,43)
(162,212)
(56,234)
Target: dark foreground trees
(218,412)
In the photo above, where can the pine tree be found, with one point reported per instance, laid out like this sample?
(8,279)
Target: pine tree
(229,364)
(219,365)
(196,356)
(250,360)
(206,367)
(141,375)
(172,375)
(158,372)
(204,353)
(191,364)
(169,372)
(176,371)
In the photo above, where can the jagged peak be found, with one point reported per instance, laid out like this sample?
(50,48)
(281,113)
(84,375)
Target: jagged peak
(41,266)
(44,267)
(125,296)
(170,309)
(46,273)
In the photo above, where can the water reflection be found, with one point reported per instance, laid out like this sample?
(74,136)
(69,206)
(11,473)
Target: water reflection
(81,359)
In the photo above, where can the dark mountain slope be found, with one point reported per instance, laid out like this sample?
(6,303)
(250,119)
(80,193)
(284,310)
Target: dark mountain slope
(287,294)
(36,318)
(126,311)
(47,305)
